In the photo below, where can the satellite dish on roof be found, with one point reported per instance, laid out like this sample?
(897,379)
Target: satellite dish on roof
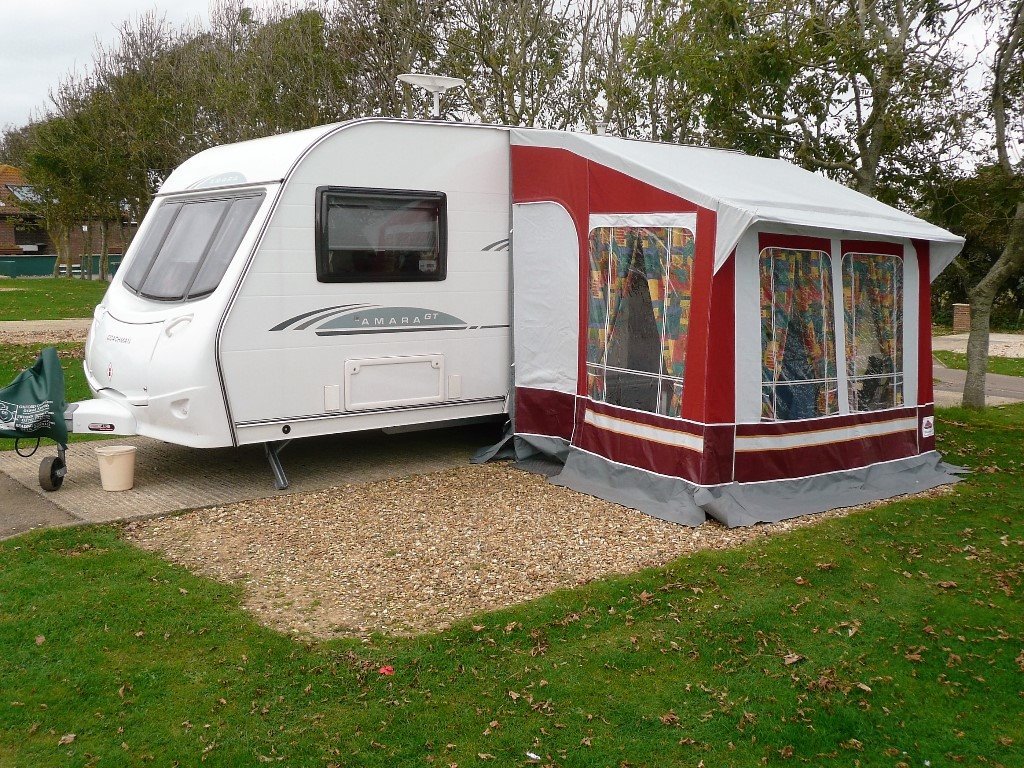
(435,84)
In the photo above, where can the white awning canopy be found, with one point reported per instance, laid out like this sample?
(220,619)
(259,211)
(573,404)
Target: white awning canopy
(744,191)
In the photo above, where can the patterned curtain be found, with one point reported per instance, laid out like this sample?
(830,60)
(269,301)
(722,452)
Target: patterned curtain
(597,315)
(677,318)
(873,309)
(797,340)
(628,265)
(623,242)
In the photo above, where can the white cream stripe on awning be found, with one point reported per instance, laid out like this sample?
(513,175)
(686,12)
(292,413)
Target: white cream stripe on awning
(745,444)
(645,431)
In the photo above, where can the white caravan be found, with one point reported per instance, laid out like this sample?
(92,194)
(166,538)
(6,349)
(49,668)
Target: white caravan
(348,277)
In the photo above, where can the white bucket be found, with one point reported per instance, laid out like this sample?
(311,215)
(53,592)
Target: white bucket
(117,466)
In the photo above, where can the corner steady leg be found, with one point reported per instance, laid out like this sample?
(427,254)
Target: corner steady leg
(273,452)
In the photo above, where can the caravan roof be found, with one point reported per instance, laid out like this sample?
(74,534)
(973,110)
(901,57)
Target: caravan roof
(741,189)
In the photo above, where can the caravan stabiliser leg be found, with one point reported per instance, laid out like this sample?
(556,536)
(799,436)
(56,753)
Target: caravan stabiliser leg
(273,451)
(52,470)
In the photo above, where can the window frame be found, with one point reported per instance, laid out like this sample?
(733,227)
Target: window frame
(180,202)
(323,194)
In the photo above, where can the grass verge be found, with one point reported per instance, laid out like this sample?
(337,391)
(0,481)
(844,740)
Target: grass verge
(1007,366)
(891,637)
(49,298)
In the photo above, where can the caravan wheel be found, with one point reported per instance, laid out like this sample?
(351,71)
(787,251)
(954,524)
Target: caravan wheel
(51,473)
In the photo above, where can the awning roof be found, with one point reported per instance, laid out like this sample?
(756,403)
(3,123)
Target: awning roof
(745,190)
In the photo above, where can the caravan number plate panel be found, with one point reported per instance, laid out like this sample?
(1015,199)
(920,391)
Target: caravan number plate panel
(391,382)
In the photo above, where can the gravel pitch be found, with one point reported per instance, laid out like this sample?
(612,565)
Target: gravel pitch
(419,553)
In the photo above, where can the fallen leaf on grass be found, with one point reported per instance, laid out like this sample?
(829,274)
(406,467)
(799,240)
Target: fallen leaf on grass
(853,744)
(40,639)
(948,584)
(825,567)
(802,581)
(669,718)
(792,658)
(67,738)
(485,755)
(786,752)
(387,670)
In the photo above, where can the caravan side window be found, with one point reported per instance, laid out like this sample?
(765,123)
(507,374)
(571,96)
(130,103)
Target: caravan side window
(374,235)
(639,316)
(873,303)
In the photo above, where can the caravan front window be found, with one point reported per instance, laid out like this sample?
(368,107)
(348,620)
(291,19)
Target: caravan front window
(189,244)
(373,235)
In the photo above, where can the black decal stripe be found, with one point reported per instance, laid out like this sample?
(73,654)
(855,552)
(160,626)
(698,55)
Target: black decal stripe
(360,412)
(495,244)
(410,329)
(332,313)
(304,315)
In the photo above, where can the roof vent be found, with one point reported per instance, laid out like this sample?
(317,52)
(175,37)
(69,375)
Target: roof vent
(436,84)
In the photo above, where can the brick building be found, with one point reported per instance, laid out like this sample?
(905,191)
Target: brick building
(23,232)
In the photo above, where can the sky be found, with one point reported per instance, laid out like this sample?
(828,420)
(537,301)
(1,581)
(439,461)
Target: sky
(43,40)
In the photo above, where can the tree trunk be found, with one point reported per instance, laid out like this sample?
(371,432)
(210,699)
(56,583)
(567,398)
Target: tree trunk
(1009,263)
(104,247)
(85,262)
(977,349)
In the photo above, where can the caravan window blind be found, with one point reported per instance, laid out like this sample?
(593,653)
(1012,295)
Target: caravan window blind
(639,316)
(372,235)
(188,245)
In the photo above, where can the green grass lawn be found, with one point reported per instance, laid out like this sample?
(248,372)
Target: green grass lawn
(891,637)
(1007,366)
(14,358)
(49,298)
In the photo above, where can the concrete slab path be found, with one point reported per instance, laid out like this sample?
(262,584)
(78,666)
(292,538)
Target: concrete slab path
(22,510)
(999,344)
(44,331)
(169,478)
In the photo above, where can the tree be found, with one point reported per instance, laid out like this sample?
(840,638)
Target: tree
(869,92)
(1007,110)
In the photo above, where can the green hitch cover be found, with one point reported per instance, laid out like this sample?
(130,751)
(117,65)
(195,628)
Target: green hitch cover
(33,404)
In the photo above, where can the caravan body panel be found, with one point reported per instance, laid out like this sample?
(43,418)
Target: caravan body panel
(290,343)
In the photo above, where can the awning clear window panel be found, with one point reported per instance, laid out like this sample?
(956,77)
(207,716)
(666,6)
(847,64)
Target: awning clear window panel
(639,314)
(873,311)
(799,378)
